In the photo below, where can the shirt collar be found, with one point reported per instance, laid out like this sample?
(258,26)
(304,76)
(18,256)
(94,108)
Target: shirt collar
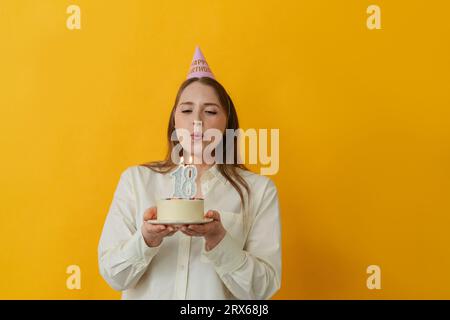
(213,172)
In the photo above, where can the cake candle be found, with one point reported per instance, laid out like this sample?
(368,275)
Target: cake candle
(189,187)
(184,185)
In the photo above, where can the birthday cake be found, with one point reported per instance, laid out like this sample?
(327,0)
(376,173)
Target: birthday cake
(180,210)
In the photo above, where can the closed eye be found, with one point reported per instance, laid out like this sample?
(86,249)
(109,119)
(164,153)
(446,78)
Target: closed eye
(186,111)
(211,112)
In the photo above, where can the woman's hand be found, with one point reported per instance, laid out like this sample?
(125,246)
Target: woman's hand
(212,231)
(154,233)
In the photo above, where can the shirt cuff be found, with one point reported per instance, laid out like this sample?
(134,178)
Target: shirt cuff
(226,256)
(138,251)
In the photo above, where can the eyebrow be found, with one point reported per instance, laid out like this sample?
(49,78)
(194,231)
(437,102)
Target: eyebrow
(205,104)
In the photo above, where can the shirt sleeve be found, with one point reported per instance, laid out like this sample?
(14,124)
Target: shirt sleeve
(253,272)
(123,255)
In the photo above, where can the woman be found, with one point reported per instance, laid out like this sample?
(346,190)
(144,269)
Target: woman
(236,256)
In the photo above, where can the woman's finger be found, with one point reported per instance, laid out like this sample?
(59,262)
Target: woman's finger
(155,228)
(167,231)
(190,233)
(197,228)
(150,214)
(171,233)
(213,214)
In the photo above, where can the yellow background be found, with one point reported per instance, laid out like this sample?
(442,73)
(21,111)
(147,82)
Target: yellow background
(363,116)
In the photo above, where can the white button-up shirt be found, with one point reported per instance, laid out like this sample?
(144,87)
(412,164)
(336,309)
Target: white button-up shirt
(245,264)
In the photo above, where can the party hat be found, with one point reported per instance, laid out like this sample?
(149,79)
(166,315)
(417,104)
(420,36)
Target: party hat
(199,67)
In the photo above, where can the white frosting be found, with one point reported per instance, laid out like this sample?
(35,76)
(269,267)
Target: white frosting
(180,210)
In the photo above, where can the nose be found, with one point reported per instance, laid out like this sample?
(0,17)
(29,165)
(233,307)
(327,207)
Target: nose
(196,116)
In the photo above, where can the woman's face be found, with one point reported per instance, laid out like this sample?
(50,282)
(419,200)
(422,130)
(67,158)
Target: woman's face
(199,102)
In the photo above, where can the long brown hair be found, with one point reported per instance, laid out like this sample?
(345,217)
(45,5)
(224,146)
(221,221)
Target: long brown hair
(229,171)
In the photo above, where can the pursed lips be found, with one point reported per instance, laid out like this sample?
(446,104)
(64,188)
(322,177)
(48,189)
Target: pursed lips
(197,136)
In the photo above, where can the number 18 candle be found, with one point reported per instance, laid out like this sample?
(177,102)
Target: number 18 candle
(184,181)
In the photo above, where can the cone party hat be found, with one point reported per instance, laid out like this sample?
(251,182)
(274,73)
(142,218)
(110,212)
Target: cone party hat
(199,67)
